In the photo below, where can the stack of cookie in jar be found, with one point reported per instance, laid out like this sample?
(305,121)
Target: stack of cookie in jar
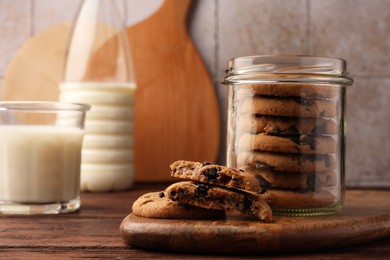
(287,136)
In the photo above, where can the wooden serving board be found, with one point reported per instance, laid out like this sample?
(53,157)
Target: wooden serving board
(176,107)
(365,218)
(176,111)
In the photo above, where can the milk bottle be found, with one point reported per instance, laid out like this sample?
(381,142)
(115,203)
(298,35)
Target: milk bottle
(99,73)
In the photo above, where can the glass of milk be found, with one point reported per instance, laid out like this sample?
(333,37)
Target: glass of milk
(40,155)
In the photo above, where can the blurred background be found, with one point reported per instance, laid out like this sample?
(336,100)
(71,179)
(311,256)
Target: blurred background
(355,30)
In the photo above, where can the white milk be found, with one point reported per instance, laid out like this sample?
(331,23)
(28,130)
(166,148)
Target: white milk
(108,148)
(39,164)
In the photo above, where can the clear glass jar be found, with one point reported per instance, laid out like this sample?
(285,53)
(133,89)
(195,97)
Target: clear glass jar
(286,125)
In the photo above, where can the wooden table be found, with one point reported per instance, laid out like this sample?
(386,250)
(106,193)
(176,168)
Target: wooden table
(93,232)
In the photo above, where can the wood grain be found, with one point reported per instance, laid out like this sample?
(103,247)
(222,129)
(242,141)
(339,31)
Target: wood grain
(364,219)
(93,232)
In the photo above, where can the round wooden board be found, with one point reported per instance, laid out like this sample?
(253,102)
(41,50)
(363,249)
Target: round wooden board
(365,218)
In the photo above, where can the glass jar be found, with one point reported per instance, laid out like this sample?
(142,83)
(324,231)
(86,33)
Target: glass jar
(286,125)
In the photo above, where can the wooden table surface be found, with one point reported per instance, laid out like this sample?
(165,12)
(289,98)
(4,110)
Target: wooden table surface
(93,232)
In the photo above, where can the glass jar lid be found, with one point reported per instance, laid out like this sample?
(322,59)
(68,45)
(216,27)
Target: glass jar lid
(286,69)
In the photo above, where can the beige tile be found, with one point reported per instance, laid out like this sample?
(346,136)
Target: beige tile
(122,8)
(14,29)
(368,124)
(356,30)
(202,22)
(137,11)
(52,12)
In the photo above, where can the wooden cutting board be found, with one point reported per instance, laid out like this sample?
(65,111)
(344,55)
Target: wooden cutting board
(176,108)
(365,218)
(177,114)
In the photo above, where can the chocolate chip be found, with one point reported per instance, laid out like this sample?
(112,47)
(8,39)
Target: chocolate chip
(304,102)
(223,179)
(308,140)
(205,163)
(211,174)
(161,194)
(247,203)
(292,130)
(263,166)
(186,206)
(201,190)
(322,114)
(310,157)
(320,129)
(328,178)
(313,182)
(275,131)
(241,170)
(264,184)
(312,143)
(307,102)
(295,138)
(328,161)
(172,195)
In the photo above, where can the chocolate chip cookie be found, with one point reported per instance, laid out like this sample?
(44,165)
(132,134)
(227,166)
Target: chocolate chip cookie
(286,162)
(290,107)
(306,144)
(218,198)
(207,172)
(314,181)
(298,199)
(158,205)
(278,125)
(289,90)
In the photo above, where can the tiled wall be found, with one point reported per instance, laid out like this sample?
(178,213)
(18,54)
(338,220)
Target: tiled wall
(356,30)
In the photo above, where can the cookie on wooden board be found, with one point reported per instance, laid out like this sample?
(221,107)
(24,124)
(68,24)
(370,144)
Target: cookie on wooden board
(215,197)
(158,205)
(208,172)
